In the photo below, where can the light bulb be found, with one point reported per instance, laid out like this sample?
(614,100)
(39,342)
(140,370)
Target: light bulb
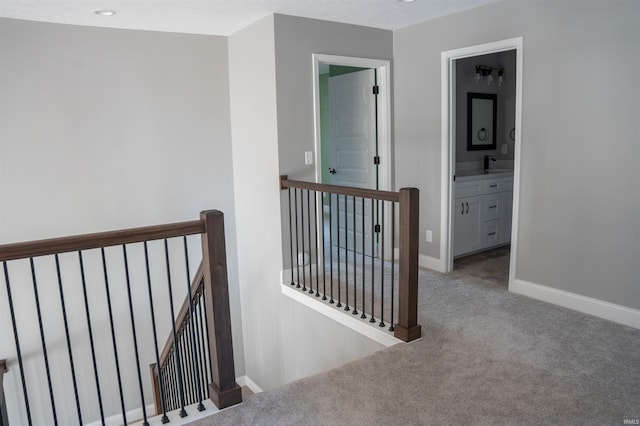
(490,79)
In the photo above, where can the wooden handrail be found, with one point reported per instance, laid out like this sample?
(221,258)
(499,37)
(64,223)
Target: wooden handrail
(342,190)
(101,239)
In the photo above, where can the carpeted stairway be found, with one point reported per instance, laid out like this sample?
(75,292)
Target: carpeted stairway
(487,356)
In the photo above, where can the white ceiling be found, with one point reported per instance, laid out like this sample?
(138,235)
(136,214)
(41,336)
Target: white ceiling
(224,17)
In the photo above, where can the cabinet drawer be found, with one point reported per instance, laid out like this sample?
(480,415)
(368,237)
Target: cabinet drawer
(492,206)
(469,189)
(491,232)
(493,185)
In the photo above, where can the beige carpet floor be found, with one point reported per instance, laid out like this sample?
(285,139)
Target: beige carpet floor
(486,357)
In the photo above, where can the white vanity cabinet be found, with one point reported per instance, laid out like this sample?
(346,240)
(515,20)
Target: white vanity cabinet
(482,212)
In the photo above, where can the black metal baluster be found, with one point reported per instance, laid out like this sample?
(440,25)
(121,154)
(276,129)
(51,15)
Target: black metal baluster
(189,360)
(208,347)
(355,261)
(373,263)
(196,367)
(393,260)
(66,331)
(165,419)
(304,272)
(145,422)
(324,270)
(346,254)
(290,235)
(315,218)
(382,267)
(113,334)
(17,340)
(363,258)
(309,235)
(183,413)
(295,207)
(170,365)
(339,305)
(203,353)
(167,387)
(201,367)
(183,366)
(331,245)
(93,351)
(43,341)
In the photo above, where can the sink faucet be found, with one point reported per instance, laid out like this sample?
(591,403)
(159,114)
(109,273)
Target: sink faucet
(486,161)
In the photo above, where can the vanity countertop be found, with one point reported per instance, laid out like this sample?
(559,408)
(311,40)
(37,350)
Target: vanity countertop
(466,175)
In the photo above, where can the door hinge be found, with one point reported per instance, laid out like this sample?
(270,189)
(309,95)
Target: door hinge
(376,90)
(376,228)
(376,160)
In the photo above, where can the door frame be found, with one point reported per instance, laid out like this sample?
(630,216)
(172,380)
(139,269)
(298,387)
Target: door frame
(383,69)
(448,64)
(385,177)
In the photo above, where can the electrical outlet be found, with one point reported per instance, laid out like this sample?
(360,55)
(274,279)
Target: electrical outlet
(429,236)
(308,158)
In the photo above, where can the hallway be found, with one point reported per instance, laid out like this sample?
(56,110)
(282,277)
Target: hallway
(487,356)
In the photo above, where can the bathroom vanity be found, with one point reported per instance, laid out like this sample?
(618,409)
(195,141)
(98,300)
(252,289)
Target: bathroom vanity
(482,210)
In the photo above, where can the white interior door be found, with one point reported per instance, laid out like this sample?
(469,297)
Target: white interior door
(352,112)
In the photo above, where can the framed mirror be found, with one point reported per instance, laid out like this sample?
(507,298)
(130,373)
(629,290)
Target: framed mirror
(481,121)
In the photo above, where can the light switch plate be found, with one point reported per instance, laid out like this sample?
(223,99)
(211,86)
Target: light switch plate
(504,148)
(308,158)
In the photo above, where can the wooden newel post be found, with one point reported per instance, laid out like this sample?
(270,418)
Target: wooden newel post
(407,328)
(224,390)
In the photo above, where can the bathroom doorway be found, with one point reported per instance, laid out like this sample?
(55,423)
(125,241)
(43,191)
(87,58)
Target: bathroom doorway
(477,220)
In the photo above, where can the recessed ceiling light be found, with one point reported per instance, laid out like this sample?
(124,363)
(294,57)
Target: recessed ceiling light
(406,1)
(105,12)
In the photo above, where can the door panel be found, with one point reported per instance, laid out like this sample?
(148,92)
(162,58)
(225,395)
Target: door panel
(353,147)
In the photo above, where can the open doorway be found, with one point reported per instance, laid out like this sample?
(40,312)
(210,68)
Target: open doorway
(481,88)
(352,123)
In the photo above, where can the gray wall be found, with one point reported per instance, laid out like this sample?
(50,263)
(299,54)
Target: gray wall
(578,224)
(297,39)
(105,129)
(272,125)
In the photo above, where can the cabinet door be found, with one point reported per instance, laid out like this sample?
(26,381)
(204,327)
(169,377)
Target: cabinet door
(507,214)
(467,225)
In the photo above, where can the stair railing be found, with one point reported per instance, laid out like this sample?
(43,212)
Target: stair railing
(348,242)
(108,260)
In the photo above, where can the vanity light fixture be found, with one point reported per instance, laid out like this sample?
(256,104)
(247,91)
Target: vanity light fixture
(105,12)
(485,73)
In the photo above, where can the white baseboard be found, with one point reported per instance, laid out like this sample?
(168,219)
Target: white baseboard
(355,324)
(424,261)
(429,262)
(587,305)
(246,381)
(131,415)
